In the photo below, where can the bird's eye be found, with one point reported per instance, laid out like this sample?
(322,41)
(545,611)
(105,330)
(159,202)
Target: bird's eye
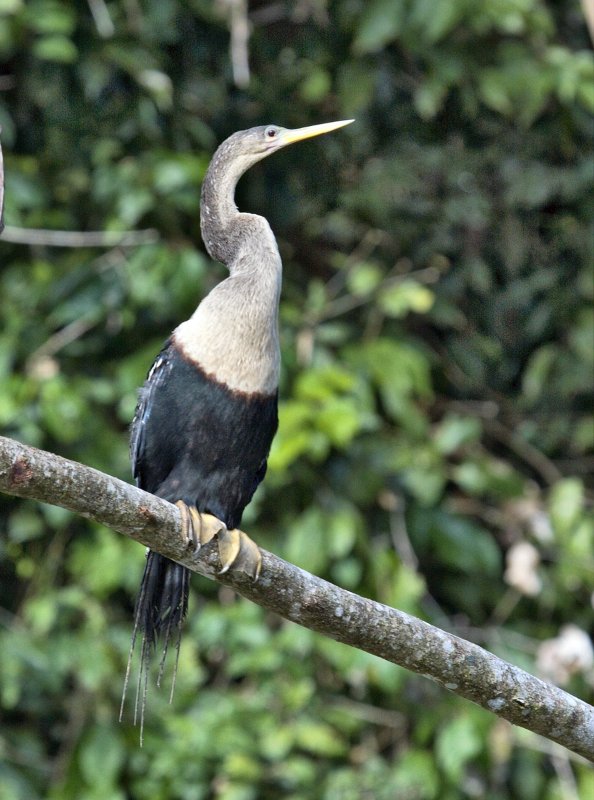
(270,132)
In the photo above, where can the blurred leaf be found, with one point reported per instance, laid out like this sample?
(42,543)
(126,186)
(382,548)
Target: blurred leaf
(464,545)
(316,86)
(242,768)
(339,419)
(457,743)
(355,87)
(340,531)
(364,278)
(492,476)
(405,590)
(454,432)
(25,524)
(403,297)
(399,371)
(55,48)
(49,16)
(380,23)
(319,739)
(566,504)
(538,371)
(415,775)
(430,97)
(101,757)
(306,545)
(323,384)
(10,6)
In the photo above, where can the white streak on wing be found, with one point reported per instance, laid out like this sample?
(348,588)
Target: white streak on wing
(154,368)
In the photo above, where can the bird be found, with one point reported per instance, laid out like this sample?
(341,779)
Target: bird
(207,413)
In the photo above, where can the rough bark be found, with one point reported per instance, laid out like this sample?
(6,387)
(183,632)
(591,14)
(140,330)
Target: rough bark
(458,665)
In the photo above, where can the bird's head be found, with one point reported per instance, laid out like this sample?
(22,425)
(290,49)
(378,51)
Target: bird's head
(234,156)
(249,146)
(269,138)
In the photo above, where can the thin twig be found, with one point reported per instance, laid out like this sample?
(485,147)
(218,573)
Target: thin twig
(405,550)
(370,240)
(530,454)
(588,9)
(565,776)
(102,18)
(348,302)
(369,713)
(460,666)
(49,238)
(239,29)
(54,343)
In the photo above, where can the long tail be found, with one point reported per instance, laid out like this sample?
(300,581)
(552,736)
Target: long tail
(160,611)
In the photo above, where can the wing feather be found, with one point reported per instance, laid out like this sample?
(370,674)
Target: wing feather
(154,381)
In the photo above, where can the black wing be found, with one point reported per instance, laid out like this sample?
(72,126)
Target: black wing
(155,380)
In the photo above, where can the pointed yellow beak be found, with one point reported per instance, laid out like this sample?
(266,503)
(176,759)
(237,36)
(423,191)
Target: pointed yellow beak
(297,135)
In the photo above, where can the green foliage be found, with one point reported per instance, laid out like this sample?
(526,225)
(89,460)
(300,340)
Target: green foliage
(437,333)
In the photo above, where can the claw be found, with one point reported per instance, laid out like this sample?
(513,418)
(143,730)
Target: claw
(238,551)
(229,547)
(187,528)
(198,529)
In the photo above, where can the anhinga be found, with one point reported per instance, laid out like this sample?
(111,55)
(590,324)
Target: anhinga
(207,413)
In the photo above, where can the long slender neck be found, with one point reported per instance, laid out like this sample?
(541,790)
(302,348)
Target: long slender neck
(233,334)
(219,217)
(244,242)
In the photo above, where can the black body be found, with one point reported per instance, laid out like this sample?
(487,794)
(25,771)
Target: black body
(195,440)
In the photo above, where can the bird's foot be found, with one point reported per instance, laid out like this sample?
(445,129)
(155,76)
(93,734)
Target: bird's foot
(198,529)
(236,550)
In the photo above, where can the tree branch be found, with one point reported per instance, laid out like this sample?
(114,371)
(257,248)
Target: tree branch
(458,665)
(52,238)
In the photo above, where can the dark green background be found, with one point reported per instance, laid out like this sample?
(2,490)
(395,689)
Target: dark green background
(437,336)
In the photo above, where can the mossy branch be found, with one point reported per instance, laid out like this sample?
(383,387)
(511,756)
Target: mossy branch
(458,665)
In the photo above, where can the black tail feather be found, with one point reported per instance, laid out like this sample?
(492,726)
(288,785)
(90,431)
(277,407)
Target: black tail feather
(160,610)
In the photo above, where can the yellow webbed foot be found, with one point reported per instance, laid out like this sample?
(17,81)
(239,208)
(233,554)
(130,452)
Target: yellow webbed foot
(238,552)
(198,529)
